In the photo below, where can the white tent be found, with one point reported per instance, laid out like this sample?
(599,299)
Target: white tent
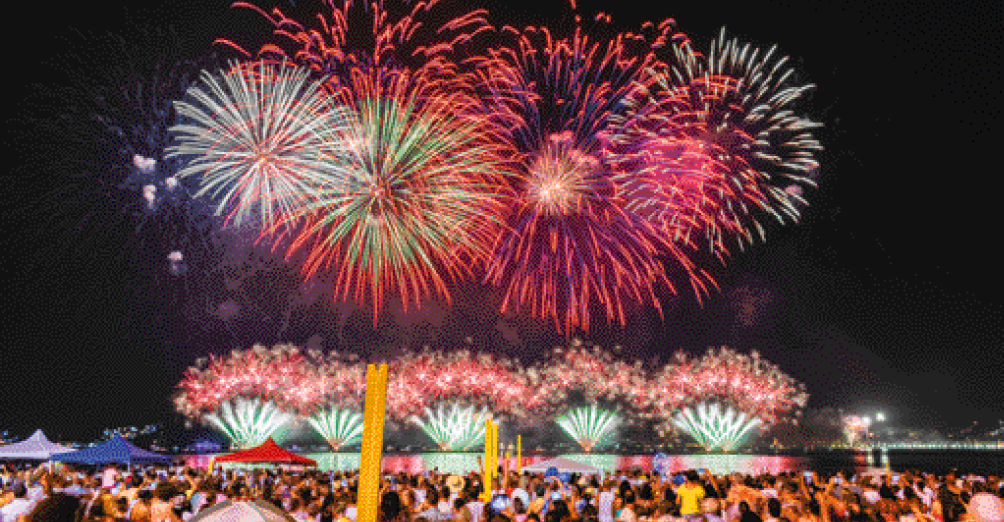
(36,447)
(563,465)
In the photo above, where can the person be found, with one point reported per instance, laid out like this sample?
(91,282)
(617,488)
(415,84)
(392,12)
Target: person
(161,508)
(605,503)
(985,507)
(711,509)
(627,510)
(746,513)
(689,497)
(19,504)
(59,507)
(140,511)
(773,510)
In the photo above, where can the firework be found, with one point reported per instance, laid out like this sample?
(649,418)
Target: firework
(855,427)
(590,374)
(248,422)
(723,396)
(719,144)
(118,198)
(590,426)
(282,375)
(572,246)
(340,428)
(419,200)
(419,381)
(454,427)
(257,138)
(716,427)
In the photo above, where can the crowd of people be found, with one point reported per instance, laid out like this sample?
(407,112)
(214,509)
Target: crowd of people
(177,493)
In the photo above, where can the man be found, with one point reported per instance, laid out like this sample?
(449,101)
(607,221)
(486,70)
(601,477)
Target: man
(17,507)
(689,497)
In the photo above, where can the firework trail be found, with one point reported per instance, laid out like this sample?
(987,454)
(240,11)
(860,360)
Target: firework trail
(340,428)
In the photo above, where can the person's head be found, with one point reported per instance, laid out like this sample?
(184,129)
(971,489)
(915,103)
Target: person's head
(710,505)
(693,477)
(774,507)
(390,505)
(20,490)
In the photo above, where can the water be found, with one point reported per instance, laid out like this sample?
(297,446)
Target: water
(985,462)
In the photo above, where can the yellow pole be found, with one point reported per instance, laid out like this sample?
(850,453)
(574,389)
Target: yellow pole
(519,454)
(369,466)
(491,450)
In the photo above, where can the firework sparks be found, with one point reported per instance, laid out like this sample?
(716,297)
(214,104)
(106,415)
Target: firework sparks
(723,396)
(340,428)
(258,137)
(248,422)
(719,144)
(572,247)
(281,375)
(714,426)
(590,426)
(454,427)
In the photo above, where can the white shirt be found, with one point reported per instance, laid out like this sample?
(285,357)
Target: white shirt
(108,478)
(17,507)
(605,506)
(476,508)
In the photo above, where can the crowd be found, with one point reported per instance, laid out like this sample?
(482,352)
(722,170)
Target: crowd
(176,494)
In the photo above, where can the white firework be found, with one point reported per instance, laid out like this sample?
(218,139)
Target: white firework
(248,422)
(590,426)
(454,427)
(341,428)
(716,427)
(259,138)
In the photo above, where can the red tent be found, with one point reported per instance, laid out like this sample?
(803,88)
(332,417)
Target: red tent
(268,451)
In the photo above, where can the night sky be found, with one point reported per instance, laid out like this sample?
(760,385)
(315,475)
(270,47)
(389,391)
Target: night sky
(884,297)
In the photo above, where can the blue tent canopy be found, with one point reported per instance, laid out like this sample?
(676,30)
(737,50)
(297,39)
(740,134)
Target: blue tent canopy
(116,450)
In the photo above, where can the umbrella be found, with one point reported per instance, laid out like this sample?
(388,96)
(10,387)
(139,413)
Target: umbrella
(232,511)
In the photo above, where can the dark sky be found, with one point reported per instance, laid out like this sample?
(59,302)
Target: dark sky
(885,296)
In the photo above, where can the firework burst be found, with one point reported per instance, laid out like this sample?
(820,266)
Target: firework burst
(282,375)
(258,137)
(716,427)
(719,144)
(340,428)
(454,427)
(418,203)
(248,422)
(719,398)
(572,247)
(590,426)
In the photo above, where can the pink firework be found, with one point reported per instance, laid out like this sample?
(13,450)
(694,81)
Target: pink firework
(282,375)
(720,145)
(573,248)
(421,380)
(590,373)
(748,383)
